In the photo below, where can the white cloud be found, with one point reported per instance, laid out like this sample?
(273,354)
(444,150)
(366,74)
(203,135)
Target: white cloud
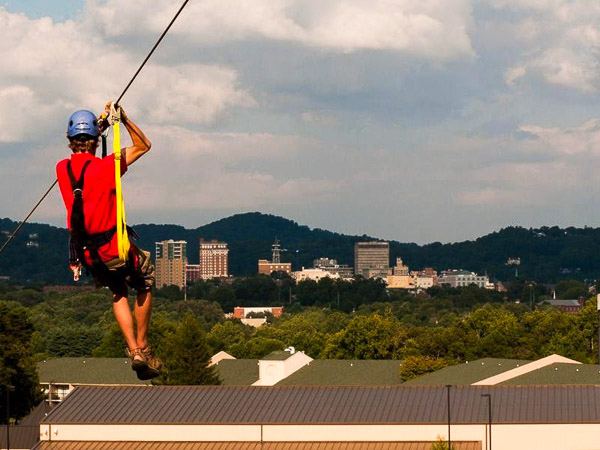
(512,74)
(559,41)
(188,170)
(430,29)
(23,114)
(50,69)
(584,139)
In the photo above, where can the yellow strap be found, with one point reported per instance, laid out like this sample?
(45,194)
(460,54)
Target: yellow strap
(122,237)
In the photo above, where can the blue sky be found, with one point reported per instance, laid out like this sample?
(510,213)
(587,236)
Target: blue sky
(437,120)
(57,9)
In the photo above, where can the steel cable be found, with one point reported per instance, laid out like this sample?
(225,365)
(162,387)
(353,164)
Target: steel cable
(16,231)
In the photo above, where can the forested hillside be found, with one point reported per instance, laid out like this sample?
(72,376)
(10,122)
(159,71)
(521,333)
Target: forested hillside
(547,254)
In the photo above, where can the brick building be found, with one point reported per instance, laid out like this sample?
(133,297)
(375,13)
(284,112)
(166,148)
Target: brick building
(213,259)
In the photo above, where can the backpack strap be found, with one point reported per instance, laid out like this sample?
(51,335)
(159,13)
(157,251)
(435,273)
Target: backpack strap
(77,184)
(78,232)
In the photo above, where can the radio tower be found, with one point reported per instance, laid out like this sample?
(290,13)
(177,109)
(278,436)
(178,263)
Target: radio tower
(276,252)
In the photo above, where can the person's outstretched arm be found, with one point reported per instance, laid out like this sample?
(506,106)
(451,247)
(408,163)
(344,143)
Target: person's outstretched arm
(141,144)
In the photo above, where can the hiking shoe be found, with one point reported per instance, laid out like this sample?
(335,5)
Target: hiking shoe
(153,363)
(140,364)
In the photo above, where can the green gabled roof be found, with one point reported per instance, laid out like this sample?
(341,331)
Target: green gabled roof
(560,373)
(279,355)
(238,372)
(88,371)
(468,372)
(329,372)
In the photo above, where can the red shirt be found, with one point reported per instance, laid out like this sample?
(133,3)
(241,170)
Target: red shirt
(99,199)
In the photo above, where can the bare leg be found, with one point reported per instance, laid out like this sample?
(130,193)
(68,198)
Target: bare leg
(143,309)
(124,319)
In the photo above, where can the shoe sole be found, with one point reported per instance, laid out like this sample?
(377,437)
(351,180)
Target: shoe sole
(147,374)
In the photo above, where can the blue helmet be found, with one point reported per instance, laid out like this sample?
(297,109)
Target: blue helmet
(83,122)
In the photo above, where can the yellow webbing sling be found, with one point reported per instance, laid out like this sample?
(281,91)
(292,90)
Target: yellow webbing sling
(122,237)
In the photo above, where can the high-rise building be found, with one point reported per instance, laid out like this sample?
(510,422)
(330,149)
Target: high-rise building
(213,259)
(171,261)
(372,259)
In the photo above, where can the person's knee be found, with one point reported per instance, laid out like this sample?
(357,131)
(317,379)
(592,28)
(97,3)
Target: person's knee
(143,295)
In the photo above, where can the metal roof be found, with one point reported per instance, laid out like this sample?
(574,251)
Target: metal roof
(27,432)
(326,405)
(21,436)
(563,302)
(249,445)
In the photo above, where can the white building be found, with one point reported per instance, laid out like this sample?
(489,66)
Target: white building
(325,417)
(462,278)
(313,274)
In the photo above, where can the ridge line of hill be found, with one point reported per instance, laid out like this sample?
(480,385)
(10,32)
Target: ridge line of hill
(547,254)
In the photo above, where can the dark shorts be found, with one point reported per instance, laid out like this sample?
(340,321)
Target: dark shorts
(138,273)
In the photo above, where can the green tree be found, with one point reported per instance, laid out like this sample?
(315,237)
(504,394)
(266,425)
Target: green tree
(210,313)
(17,366)
(496,330)
(302,333)
(112,345)
(73,340)
(201,289)
(225,296)
(259,290)
(226,334)
(415,366)
(186,356)
(366,337)
(171,292)
(256,347)
(571,289)
(441,444)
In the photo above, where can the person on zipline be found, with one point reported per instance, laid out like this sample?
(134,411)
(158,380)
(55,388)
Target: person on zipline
(87,185)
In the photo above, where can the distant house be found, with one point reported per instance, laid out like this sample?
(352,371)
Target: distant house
(568,306)
(241,312)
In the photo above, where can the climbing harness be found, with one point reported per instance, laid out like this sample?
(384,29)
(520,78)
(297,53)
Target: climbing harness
(20,226)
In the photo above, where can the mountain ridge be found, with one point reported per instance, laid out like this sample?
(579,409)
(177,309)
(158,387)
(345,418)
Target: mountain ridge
(547,253)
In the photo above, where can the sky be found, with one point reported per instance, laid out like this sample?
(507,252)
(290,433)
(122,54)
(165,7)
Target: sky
(413,120)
